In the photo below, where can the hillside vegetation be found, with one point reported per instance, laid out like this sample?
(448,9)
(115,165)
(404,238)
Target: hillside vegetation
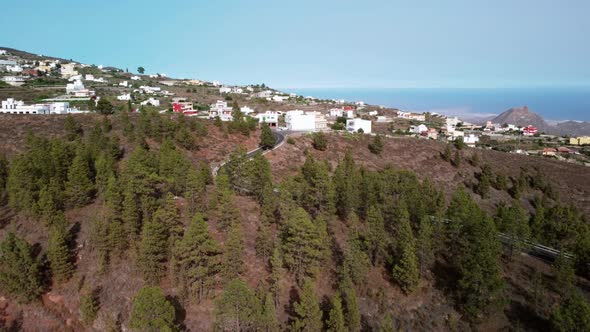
(116,223)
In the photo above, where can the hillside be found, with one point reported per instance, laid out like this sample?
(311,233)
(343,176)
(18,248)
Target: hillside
(157,165)
(572,128)
(521,116)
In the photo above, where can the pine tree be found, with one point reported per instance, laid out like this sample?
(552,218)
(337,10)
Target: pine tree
(79,189)
(153,250)
(351,310)
(104,166)
(21,184)
(376,147)
(425,245)
(89,306)
(195,192)
(151,311)
(276,267)
(267,138)
(20,274)
(302,245)
(406,272)
(318,194)
(565,276)
(347,186)
(268,320)
(456,159)
(238,308)
(356,264)
(59,252)
(386,324)
(572,315)
(117,237)
(264,241)
(167,214)
(308,313)
(130,216)
(233,257)
(72,128)
(3,177)
(376,235)
(446,155)
(50,201)
(260,176)
(514,222)
(320,142)
(197,258)
(112,195)
(485,180)
(335,321)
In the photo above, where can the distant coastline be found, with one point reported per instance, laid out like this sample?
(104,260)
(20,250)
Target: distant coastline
(554,104)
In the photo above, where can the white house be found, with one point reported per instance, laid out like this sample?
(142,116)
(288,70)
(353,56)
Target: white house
(124,97)
(224,89)
(68,70)
(280,99)
(124,84)
(151,101)
(221,110)
(14,69)
(418,129)
(353,125)
(89,77)
(452,121)
(373,113)
(135,78)
(14,80)
(299,121)
(2,52)
(471,140)
(269,117)
(150,89)
(77,89)
(12,106)
(246,110)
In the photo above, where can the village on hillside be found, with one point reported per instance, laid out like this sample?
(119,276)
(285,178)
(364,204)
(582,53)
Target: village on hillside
(40,85)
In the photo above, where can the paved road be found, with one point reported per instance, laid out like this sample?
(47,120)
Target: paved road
(280,139)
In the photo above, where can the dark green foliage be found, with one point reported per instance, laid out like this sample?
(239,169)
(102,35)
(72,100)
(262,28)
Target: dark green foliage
(72,128)
(79,189)
(376,146)
(276,271)
(268,318)
(105,107)
(376,236)
(501,182)
(264,241)
(406,272)
(346,185)
(386,324)
(475,256)
(351,309)
(425,245)
(195,191)
(173,167)
(572,315)
(3,177)
(316,191)
(153,250)
(233,256)
(105,169)
(513,221)
(565,276)
(130,216)
(335,321)
(50,202)
(89,306)
(308,316)
(303,245)
(485,180)
(356,263)
(267,138)
(20,275)
(259,176)
(456,159)
(459,143)
(151,311)
(238,308)
(447,154)
(320,142)
(197,259)
(59,253)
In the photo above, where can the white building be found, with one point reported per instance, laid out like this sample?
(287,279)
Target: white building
(77,89)
(300,121)
(150,89)
(2,52)
(14,80)
(354,125)
(14,69)
(452,121)
(347,112)
(418,129)
(124,97)
(124,84)
(68,70)
(221,110)
(269,117)
(135,78)
(224,90)
(246,110)
(280,99)
(151,101)
(12,106)
(89,77)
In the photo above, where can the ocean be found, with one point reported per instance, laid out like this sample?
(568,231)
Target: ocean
(553,104)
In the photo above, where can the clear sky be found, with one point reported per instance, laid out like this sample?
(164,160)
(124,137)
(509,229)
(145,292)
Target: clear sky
(317,43)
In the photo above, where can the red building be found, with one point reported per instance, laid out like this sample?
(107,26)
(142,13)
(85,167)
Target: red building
(529,131)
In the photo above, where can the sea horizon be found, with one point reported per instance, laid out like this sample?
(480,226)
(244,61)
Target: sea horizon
(554,104)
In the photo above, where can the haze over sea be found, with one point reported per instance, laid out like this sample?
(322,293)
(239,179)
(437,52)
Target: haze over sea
(553,104)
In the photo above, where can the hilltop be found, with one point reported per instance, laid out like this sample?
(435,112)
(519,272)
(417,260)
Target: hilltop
(522,116)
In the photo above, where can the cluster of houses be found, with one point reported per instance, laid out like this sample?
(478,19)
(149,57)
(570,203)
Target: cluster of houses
(12,106)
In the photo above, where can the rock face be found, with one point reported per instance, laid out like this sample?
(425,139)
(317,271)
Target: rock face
(521,116)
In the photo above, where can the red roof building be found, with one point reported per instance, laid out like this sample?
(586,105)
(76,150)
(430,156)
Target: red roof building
(529,131)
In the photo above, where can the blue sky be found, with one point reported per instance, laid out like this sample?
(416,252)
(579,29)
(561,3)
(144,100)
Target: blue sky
(370,43)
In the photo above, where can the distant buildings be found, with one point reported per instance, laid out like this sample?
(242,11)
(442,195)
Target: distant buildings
(582,140)
(151,101)
(221,110)
(78,90)
(124,97)
(270,118)
(529,131)
(68,70)
(12,106)
(14,80)
(411,116)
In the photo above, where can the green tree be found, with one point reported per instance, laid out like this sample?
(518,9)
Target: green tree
(3,177)
(233,255)
(459,143)
(425,245)
(195,191)
(376,235)
(456,159)
(376,147)
(276,271)
(20,274)
(238,308)
(386,324)
(105,107)
(320,142)
(514,222)
(565,276)
(79,189)
(268,319)
(356,263)
(352,313)
(197,259)
(89,306)
(59,253)
(572,315)
(153,250)
(485,180)
(267,138)
(151,311)
(347,186)
(140,70)
(308,315)
(335,321)
(72,128)
(264,241)
(303,246)
(130,216)
(406,272)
